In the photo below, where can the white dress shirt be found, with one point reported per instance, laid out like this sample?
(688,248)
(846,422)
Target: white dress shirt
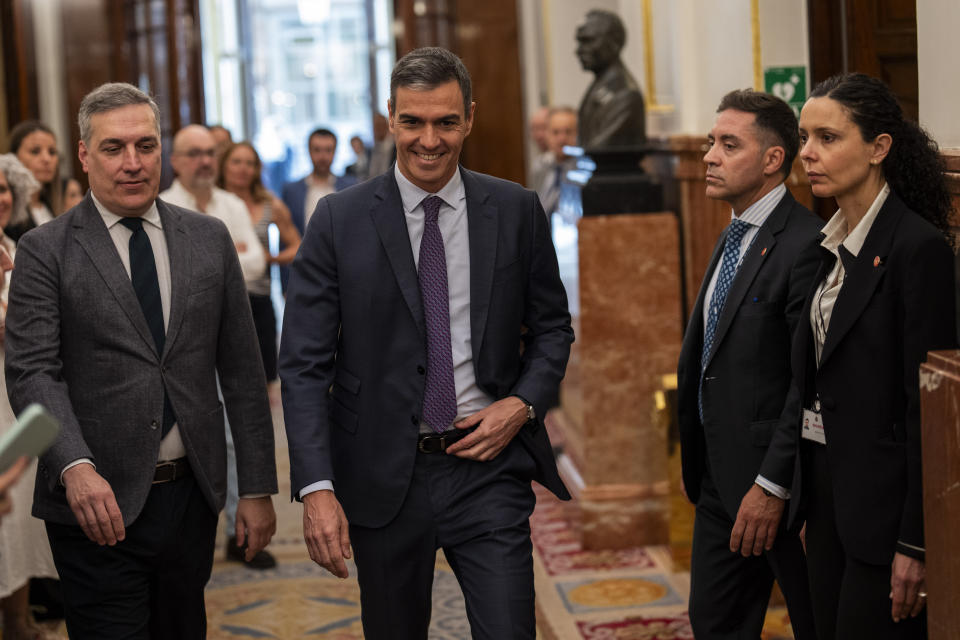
(232,211)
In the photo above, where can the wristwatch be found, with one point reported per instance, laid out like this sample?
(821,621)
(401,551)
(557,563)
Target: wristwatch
(531,414)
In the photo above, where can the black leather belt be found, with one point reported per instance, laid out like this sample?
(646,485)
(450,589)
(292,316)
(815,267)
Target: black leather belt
(170,470)
(438,442)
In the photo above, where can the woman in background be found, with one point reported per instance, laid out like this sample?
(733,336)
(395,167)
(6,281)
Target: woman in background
(883,297)
(36,147)
(240,170)
(24,550)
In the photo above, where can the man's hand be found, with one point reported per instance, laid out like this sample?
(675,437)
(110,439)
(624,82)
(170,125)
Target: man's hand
(326,532)
(7,480)
(907,581)
(93,504)
(757,521)
(256,524)
(499,423)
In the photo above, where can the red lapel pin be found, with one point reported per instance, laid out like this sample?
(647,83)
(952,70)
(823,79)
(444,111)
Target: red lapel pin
(764,252)
(876,261)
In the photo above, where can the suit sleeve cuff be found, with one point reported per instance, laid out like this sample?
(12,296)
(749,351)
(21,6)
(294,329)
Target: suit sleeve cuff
(323,485)
(773,488)
(73,464)
(250,496)
(911,551)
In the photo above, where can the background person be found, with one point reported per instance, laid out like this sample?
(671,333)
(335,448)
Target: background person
(882,297)
(35,146)
(24,550)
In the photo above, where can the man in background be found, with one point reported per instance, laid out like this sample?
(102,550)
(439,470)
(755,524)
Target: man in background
(195,165)
(302,196)
(561,132)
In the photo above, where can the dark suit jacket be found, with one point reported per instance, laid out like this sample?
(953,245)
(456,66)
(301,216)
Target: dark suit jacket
(78,343)
(748,374)
(353,354)
(889,313)
(295,197)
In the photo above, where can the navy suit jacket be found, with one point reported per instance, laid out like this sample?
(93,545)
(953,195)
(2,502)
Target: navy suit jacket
(896,304)
(353,354)
(747,377)
(295,197)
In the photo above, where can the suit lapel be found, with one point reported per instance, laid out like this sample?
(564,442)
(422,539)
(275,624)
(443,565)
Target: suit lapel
(482,226)
(863,275)
(92,235)
(178,248)
(391,226)
(757,253)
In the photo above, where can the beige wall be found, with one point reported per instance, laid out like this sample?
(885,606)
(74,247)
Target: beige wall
(938,22)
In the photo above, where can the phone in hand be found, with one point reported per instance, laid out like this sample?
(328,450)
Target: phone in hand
(34,431)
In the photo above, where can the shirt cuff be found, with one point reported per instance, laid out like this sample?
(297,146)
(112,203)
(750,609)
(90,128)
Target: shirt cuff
(911,551)
(73,464)
(323,485)
(773,488)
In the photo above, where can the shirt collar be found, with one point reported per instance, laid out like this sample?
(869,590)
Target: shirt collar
(152,215)
(412,195)
(836,231)
(757,213)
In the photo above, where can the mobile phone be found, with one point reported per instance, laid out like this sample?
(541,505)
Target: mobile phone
(34,431)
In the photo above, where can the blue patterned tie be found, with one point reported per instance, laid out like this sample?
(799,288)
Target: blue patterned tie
(143,275)
(728,269)
(440,394)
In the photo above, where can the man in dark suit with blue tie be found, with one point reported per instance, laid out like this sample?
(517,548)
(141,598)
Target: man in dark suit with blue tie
(734,377)
(425,335)
(122,312)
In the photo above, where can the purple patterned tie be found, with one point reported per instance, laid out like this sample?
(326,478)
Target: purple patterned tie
(440,395)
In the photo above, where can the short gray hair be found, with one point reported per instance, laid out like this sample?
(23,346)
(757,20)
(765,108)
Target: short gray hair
(110,96)
(22,185)
(427,68)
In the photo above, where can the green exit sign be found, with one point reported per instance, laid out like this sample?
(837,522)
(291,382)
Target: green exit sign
(788,84)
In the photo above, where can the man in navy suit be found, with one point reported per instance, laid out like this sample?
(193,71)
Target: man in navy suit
(425,336)
(734,375)
(301,197)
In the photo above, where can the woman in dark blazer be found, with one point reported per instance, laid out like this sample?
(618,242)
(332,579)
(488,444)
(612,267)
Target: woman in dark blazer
(882,298)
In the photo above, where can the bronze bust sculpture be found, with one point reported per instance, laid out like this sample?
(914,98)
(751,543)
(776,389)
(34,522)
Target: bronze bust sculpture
(612,110)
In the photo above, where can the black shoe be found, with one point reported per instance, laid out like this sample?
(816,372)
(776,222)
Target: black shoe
(262,560)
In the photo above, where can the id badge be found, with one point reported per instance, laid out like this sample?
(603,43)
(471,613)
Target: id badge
(813,426)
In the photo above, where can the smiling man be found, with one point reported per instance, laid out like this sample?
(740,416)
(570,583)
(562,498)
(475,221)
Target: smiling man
(122,312)
(426,334)
(734,375)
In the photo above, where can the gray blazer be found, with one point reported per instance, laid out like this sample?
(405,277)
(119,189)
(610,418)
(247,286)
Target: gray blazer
(77,343)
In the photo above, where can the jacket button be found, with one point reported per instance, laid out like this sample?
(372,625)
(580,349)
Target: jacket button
(154,425)
(828,403)
(414,420)
(420,369)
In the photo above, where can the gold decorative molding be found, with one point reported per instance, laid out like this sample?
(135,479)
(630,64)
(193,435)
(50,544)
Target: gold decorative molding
(649,63)
(755,31)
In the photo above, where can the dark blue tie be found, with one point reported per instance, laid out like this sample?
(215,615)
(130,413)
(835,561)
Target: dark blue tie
(143,274)
(727,270)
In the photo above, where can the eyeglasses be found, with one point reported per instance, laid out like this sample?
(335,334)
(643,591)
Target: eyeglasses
(193,154)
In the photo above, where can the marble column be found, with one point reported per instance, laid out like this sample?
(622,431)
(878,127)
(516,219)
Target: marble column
(629,333)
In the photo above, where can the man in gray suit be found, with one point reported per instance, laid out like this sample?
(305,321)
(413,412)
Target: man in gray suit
(122,312)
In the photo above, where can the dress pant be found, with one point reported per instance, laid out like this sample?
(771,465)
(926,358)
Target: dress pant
(729,594)
(150,585)
(851,599)
(478,513)
(265,323)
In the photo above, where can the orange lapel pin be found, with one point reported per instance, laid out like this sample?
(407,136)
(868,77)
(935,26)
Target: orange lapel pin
(876,261)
